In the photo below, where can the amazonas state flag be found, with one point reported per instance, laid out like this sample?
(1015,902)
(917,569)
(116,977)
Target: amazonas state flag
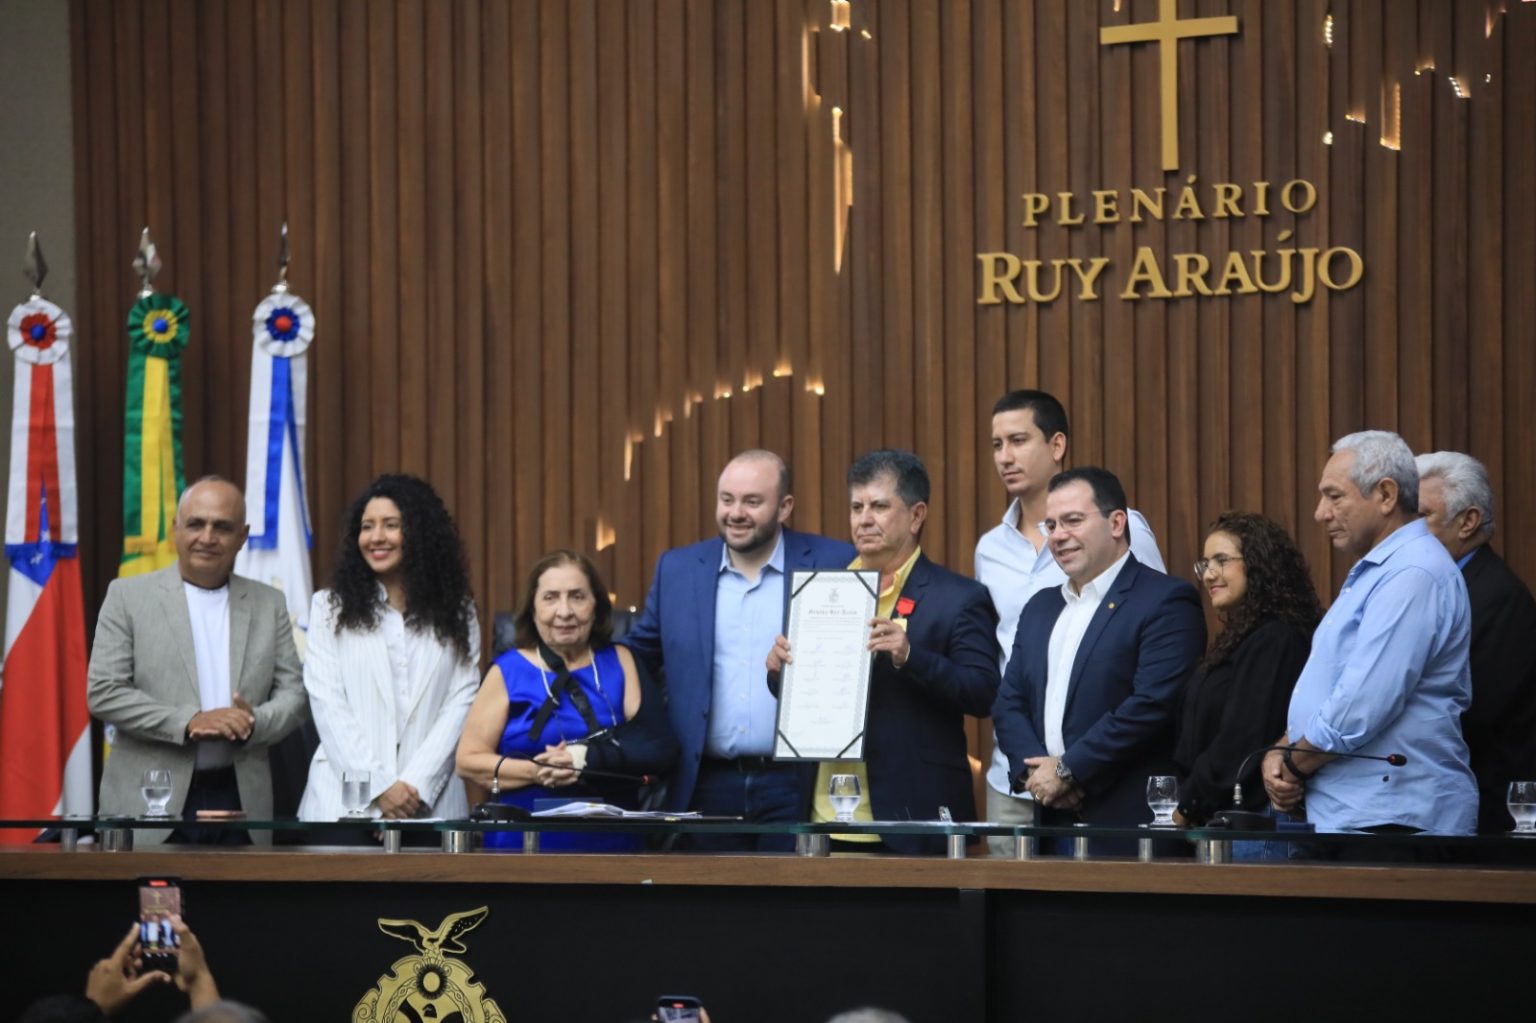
(45,755)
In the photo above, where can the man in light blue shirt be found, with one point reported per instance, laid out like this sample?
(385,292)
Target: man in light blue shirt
(1389,666)
(1013,561)
(709,620)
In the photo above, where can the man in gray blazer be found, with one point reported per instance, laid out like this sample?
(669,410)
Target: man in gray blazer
(197,669)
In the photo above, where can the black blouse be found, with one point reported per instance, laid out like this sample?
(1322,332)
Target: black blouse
(1232,709)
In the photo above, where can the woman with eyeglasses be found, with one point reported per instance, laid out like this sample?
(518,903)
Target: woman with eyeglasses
(1236,701)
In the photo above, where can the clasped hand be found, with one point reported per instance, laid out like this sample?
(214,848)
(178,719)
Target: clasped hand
(1048,789)
(232,723)
(1285,793)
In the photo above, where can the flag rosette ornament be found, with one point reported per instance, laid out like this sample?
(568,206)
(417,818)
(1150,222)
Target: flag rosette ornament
(153,474)
(39,332)
(277,551)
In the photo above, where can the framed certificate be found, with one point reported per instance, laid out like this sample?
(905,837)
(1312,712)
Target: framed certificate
(824,691)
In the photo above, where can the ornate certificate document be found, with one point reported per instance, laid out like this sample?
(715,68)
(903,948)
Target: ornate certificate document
(824,692)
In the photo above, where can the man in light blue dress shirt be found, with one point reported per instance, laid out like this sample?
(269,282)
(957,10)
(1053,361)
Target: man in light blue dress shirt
(1389,666)
(708,623)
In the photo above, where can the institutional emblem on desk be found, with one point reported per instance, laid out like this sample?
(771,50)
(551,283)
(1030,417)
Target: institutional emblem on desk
(432,985)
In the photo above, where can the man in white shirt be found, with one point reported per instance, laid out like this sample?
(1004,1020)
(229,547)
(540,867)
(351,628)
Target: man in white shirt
(1085,712)
(197,669)
(1029,446)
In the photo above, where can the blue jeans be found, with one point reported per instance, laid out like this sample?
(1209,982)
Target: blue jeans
(1270,851)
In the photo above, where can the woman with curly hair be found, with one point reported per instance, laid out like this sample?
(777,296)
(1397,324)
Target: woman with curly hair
(1236,701)
(393,658)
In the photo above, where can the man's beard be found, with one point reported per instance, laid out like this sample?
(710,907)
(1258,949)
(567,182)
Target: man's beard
(760,537)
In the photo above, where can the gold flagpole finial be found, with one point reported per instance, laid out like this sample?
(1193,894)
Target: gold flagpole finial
(282,261)
(36,267)
(147,264)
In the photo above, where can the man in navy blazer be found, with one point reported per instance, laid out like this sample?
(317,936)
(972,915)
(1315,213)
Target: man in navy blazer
(934,642)
(1086,709)
(709,621)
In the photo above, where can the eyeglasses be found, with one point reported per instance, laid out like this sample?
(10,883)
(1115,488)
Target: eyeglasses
(1219,562)
(1069,523)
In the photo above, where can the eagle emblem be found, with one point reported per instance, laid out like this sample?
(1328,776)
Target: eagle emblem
(430,985)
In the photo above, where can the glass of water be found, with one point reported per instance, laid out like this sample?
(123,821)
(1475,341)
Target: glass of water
(1163,798)
(354,792)
(844,793)
(1522,805)
(155,787)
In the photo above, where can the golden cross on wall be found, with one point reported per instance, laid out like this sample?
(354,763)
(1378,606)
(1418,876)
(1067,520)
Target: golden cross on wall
(1166,31)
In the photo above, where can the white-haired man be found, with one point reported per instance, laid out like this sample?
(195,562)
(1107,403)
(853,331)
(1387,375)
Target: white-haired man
(1388,671)
(1456,499)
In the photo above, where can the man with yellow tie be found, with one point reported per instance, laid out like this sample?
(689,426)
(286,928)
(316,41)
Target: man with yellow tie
(935,660)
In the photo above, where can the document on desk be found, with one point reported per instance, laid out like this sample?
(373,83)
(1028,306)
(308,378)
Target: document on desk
(824,691)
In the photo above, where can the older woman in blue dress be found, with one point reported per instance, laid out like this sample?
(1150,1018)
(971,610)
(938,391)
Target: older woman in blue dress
(550,707)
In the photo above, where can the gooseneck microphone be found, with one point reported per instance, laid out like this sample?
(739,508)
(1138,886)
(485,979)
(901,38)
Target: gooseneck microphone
(1248,821)
(1395,759)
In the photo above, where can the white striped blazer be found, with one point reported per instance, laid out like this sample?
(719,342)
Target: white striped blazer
(351,693)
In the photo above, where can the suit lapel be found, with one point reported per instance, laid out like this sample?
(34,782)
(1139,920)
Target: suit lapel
(913,590)
(1040,652)
(432,655)
(1109,606)
(239,631)
(178,619)
(705,581)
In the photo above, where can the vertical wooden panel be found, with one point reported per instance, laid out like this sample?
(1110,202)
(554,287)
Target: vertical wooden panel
(705,246)
(585,433)
(992,232)
(896,158)
(505,209)
(527,386)
(410,279)
(470,341)
(956,474)
(326,463)
(503,430)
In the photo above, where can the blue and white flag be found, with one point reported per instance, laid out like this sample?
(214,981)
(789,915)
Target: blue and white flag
(277,552)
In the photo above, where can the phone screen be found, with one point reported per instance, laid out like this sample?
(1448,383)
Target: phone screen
(159,898)
(678,1009)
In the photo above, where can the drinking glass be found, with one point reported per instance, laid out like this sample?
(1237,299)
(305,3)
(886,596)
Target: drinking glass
(354,792)
(1522,805)
(155,787)
(1163,798)
(843,791)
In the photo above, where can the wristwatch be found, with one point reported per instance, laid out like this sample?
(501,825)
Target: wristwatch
(1064,773)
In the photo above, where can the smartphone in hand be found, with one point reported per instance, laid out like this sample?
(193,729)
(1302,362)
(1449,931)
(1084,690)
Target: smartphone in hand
(159,899)
(679,1009)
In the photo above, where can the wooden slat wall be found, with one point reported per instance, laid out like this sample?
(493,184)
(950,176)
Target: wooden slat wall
(568,256)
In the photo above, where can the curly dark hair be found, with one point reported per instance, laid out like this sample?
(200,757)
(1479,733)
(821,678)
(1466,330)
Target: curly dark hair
(527,635)
(438,596)
(1279,582)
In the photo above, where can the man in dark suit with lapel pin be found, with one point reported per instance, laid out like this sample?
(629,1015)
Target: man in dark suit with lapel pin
(197,669)
(934,640)
(709,620)
(1086,709)
(1456,500)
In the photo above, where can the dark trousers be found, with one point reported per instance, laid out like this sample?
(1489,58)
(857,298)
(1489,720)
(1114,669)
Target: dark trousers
(755,789)
(210,790)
